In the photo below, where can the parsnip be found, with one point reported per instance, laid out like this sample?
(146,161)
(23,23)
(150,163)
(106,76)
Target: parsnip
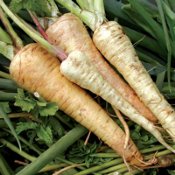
(36,70)
(78,68)
(69,33)
(125,59)
(116,47)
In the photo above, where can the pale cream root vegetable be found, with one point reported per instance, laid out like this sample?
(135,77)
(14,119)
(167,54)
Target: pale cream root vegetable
(36,70)
(69,33)
(79,69)
(116,47)
(119,51)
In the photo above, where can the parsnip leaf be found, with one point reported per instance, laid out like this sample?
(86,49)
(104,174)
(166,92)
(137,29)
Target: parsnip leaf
(82,153)
(41,7)
(142,137)
(44,133)
(16,5)
(26,103)
(47,109)
(38,107)
(24,126)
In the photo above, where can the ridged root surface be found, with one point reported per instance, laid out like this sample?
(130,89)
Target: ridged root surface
(69,33)
(36,70)
(119,51)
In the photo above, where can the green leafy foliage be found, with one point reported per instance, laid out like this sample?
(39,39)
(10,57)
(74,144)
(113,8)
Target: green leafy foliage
(141,137)
(38,107)
(142,20)
(58,129)
(25,102)
(24,126)
(41,7)
(46,109)
(43,132)
(82,153)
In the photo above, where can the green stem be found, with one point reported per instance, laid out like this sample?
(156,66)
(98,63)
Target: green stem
(105,155)
(149,6)
(89,18)
(137,19)
(31,146)
(4,168)
(17,41)
(4,75)
(136,171)
(90,6)
(17,150)
(38,25)
(132,172)
(71,6)
(99,7)
(58,148)
(161,153)
(100,167)
(147,157)
(55,11)
(114,168)
(168,42)
(4,37)
(9,123)
(17,115)
(7,96)
(160,80)
(85,5)
(122,170)
(61,159)
(96,7)
(153,149)
(32,33)
(145,20)
(172,4)
(31,158)
(114,8)
(53,167)
(7,84)
(22,115)
(148,57)
(114,155)
(169,11)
